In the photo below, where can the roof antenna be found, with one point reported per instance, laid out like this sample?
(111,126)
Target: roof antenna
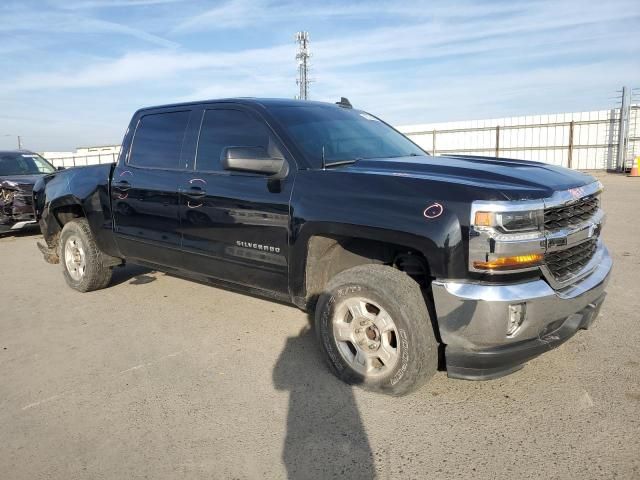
(344,103)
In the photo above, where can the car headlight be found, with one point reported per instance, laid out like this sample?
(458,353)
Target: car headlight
(506,236)
(511,222)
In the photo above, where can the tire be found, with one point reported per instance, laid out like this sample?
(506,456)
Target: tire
(364,348)
(82,262)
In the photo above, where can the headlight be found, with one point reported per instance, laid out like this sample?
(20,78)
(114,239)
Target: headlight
(508,222)
(506,236)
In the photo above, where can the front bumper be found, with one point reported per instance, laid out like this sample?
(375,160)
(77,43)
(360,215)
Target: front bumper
(473,320)
(16,211)
(18,225)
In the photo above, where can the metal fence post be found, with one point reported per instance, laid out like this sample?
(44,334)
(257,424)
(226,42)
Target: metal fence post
(620,157)
(570,154)
(497,141)
(433,142)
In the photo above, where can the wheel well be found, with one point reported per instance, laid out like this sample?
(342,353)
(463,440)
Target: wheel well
(64,214)
(330,255)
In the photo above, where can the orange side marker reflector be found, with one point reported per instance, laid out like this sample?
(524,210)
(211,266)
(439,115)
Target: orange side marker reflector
(510,263)
(483,219)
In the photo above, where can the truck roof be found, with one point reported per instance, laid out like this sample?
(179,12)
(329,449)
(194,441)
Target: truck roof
(22,150)
(262,102)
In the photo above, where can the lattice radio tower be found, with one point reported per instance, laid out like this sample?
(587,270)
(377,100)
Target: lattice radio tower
(302,57)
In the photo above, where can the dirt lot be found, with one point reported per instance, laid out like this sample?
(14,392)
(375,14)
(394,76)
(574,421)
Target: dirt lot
(161,378)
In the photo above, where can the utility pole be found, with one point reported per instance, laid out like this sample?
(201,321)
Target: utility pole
(303,56)
(12,135)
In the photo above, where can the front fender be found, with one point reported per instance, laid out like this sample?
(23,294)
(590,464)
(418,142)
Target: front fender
(380,208)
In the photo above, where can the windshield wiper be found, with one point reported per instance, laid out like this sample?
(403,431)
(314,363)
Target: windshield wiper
(339,163)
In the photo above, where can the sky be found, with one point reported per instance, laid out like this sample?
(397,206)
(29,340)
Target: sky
(73,72)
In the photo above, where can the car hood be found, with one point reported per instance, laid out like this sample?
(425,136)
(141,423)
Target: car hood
(501,178)
(24,182)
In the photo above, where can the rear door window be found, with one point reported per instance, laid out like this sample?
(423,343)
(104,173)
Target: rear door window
(158,140)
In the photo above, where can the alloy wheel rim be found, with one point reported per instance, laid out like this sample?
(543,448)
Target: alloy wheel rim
(75,258)
(366,336)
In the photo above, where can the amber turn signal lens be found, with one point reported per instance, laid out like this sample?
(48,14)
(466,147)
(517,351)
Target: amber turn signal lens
(510,263)
(483,219)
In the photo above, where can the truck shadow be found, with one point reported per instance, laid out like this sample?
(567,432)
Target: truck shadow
(325,434)
(26,232)
(134,274)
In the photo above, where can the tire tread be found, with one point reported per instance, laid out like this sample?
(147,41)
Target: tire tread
(97,275)
(402,291)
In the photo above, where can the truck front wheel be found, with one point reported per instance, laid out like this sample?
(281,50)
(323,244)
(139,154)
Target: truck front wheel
(81,260)
(373,325)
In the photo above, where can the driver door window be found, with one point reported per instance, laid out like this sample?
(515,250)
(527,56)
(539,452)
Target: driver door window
(230,128)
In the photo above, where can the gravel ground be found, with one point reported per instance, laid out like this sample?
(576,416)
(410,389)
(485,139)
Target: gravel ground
(158,377)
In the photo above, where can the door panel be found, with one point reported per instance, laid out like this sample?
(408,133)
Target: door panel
(238,231)
(145,189)
(235,225)
(146,213)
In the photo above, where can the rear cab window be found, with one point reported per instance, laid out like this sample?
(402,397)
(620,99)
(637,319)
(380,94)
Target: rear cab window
(158,140)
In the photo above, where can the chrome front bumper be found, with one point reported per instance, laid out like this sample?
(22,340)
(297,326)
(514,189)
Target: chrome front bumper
(473,319)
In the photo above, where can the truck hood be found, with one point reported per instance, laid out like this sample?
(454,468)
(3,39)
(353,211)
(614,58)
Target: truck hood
(501,178)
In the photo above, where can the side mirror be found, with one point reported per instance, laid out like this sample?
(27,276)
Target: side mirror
(59,168)
(252,159)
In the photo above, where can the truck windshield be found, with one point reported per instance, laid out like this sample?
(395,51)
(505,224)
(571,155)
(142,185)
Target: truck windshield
(23,164)
(338,134)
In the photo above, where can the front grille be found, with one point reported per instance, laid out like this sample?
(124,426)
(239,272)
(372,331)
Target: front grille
(564,264)
(570,215)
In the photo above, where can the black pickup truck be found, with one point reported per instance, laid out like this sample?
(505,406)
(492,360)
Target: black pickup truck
(411,262)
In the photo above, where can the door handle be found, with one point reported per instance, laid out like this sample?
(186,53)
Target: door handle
(122,185)
(194,192)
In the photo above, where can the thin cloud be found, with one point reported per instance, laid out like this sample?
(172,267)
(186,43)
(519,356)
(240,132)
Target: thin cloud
(152,65)
(243,13)
(499,41)
(114,4)
(31,21)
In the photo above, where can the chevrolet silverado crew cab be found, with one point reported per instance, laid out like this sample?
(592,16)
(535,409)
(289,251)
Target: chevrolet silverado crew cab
(411,262)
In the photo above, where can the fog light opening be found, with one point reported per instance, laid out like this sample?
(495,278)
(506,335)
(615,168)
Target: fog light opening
(517,313)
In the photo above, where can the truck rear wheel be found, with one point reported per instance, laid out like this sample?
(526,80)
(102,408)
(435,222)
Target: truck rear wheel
(373,325)
(81,260)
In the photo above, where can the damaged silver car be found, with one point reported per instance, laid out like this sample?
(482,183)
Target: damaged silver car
(19,171)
